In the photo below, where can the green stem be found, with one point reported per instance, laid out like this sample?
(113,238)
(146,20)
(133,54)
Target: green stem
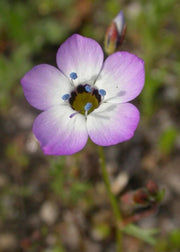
(112,198)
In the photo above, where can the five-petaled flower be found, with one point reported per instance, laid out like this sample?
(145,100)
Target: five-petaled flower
(84,97)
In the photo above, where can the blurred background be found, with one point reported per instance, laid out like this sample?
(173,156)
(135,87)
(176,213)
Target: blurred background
(59,204)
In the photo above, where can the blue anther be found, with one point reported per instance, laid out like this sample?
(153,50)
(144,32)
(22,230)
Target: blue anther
(73,75)
(102,92)
(88,106)
(88,88)
(65,97)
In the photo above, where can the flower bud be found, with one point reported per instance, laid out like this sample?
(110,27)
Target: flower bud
(141,197)
(152,187)
(115,34)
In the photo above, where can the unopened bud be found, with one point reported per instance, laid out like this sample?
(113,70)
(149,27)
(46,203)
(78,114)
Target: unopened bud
(115,34)
(141,197)
(152,187)
(128,198)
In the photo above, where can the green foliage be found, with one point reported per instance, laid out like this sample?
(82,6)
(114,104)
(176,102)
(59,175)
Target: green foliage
(112,7)
(65,183)
(171,243)
(25,28)
(58,174)
(14,155)
(58,249)
(174,238)
(167,140)
(156,40)
(160,195)
(103,230)
(142,234)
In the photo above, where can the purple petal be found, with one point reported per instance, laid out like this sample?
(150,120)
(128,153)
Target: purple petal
(44,85)
(122,77)
(112,123)
(59,134)
(82,56)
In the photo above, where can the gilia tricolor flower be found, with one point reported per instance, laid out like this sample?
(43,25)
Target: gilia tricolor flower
(84,97)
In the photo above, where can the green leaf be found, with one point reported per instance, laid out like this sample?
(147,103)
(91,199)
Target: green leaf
(175,238)
(167,140)
(160,195)
(145,235)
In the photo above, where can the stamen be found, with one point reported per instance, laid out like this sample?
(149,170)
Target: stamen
(73,75)
(65,97)
(73,114)
(80,89)
(88,88)
(102,92)
(88,106)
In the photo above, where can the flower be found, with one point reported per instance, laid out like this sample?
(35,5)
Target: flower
(115,34)
(84,97)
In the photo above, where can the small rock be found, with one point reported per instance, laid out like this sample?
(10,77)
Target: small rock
(23,118)
(49,212)
(70,234)
(119,182)
(32,144)
(173,180)
(3,180)
(92,246)
(51,240)
(8,241)
(134,9)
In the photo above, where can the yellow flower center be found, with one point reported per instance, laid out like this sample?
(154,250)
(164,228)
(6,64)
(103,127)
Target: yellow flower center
(84,98)
(80,98)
